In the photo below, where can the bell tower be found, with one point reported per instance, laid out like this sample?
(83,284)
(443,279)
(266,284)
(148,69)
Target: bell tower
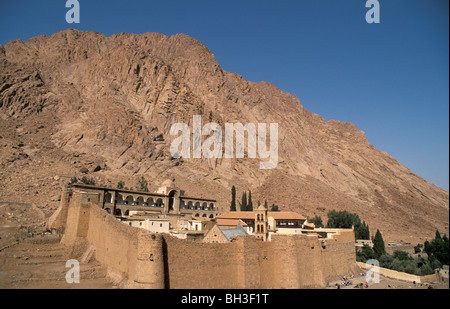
(261,225)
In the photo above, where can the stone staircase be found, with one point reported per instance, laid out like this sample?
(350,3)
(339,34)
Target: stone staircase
(40,263)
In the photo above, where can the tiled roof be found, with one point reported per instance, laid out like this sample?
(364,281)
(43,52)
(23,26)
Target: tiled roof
(277,215)
(237,215)
(285,215)
(230,222)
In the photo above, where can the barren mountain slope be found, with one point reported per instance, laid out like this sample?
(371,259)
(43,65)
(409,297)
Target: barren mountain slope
(83,100)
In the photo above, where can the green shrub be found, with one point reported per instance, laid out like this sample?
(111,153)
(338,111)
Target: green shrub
(142,185)
(411,268)
(274,208)
(418,248)
(426,270)
(386,260)
(317,220)
(88,181)
(366,253)
(402,255)
(398,266)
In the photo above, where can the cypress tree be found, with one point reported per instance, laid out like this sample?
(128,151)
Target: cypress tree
(244,202)
(367,232)
(250,203)
(233,199)
(362,232)
(378,244)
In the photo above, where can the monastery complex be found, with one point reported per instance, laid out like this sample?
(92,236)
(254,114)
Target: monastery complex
(169,240)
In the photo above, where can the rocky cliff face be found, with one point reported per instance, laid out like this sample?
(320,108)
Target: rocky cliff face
(81,100)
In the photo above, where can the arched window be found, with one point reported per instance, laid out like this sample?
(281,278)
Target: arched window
(129,200)
(159,203)
(140,201)
(108,197)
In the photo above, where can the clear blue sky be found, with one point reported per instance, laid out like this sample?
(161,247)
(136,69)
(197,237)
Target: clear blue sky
(390,79)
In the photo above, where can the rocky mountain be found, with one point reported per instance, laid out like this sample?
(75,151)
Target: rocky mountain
(84,104)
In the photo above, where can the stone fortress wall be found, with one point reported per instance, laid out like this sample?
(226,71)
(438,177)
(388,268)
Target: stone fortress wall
(160,261)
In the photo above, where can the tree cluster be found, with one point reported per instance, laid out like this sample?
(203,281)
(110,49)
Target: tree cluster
(84,180)
(141,185)
(345,220)
(246,203)
(438,249)
(317,220)
(437,255)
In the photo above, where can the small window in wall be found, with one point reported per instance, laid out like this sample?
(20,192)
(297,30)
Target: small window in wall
(160,225)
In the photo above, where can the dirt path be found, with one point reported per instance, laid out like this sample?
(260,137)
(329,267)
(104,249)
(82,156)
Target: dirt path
(385,283)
